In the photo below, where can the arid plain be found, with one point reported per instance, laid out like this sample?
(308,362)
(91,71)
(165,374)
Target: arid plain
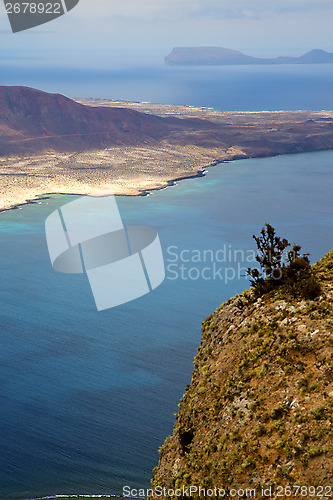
(195,139)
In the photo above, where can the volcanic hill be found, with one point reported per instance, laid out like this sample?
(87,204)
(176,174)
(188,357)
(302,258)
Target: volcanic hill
(32,121)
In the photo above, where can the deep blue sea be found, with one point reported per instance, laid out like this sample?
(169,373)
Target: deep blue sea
(87,397)
(226,88)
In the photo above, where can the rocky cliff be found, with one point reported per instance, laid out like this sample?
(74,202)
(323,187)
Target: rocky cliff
(259,410)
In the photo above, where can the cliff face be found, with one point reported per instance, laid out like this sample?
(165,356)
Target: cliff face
(259,409)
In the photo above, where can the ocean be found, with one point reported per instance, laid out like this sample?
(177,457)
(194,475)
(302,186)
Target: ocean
(226,88)
(87,397)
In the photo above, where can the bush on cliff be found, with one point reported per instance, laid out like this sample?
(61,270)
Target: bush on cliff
(294,273)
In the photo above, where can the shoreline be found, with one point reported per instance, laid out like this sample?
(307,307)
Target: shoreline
(144,192)
(141,192)
(139,169)
(169,183)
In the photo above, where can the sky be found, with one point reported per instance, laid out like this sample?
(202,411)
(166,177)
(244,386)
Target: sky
(100,33)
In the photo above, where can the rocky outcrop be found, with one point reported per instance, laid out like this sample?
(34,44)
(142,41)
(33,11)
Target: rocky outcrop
(259,410)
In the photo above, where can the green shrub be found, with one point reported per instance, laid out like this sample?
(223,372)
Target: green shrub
(260,430)
(295,275)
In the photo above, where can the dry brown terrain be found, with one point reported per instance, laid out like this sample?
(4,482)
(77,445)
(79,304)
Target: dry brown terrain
(183,144)
(121,170)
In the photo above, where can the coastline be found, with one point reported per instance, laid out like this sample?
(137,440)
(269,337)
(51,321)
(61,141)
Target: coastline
(15,195)
(170,183)
(140,192)
(136,170)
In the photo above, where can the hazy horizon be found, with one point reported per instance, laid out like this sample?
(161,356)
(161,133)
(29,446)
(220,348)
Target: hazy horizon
(105,33)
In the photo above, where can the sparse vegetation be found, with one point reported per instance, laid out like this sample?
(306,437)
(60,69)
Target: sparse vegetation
(259,409)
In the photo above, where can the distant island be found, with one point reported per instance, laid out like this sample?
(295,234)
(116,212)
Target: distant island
(201,56)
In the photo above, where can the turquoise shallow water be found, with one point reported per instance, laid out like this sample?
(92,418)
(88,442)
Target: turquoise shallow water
(86,397)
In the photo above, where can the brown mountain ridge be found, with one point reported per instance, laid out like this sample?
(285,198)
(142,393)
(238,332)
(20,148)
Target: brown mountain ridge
(32,121)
